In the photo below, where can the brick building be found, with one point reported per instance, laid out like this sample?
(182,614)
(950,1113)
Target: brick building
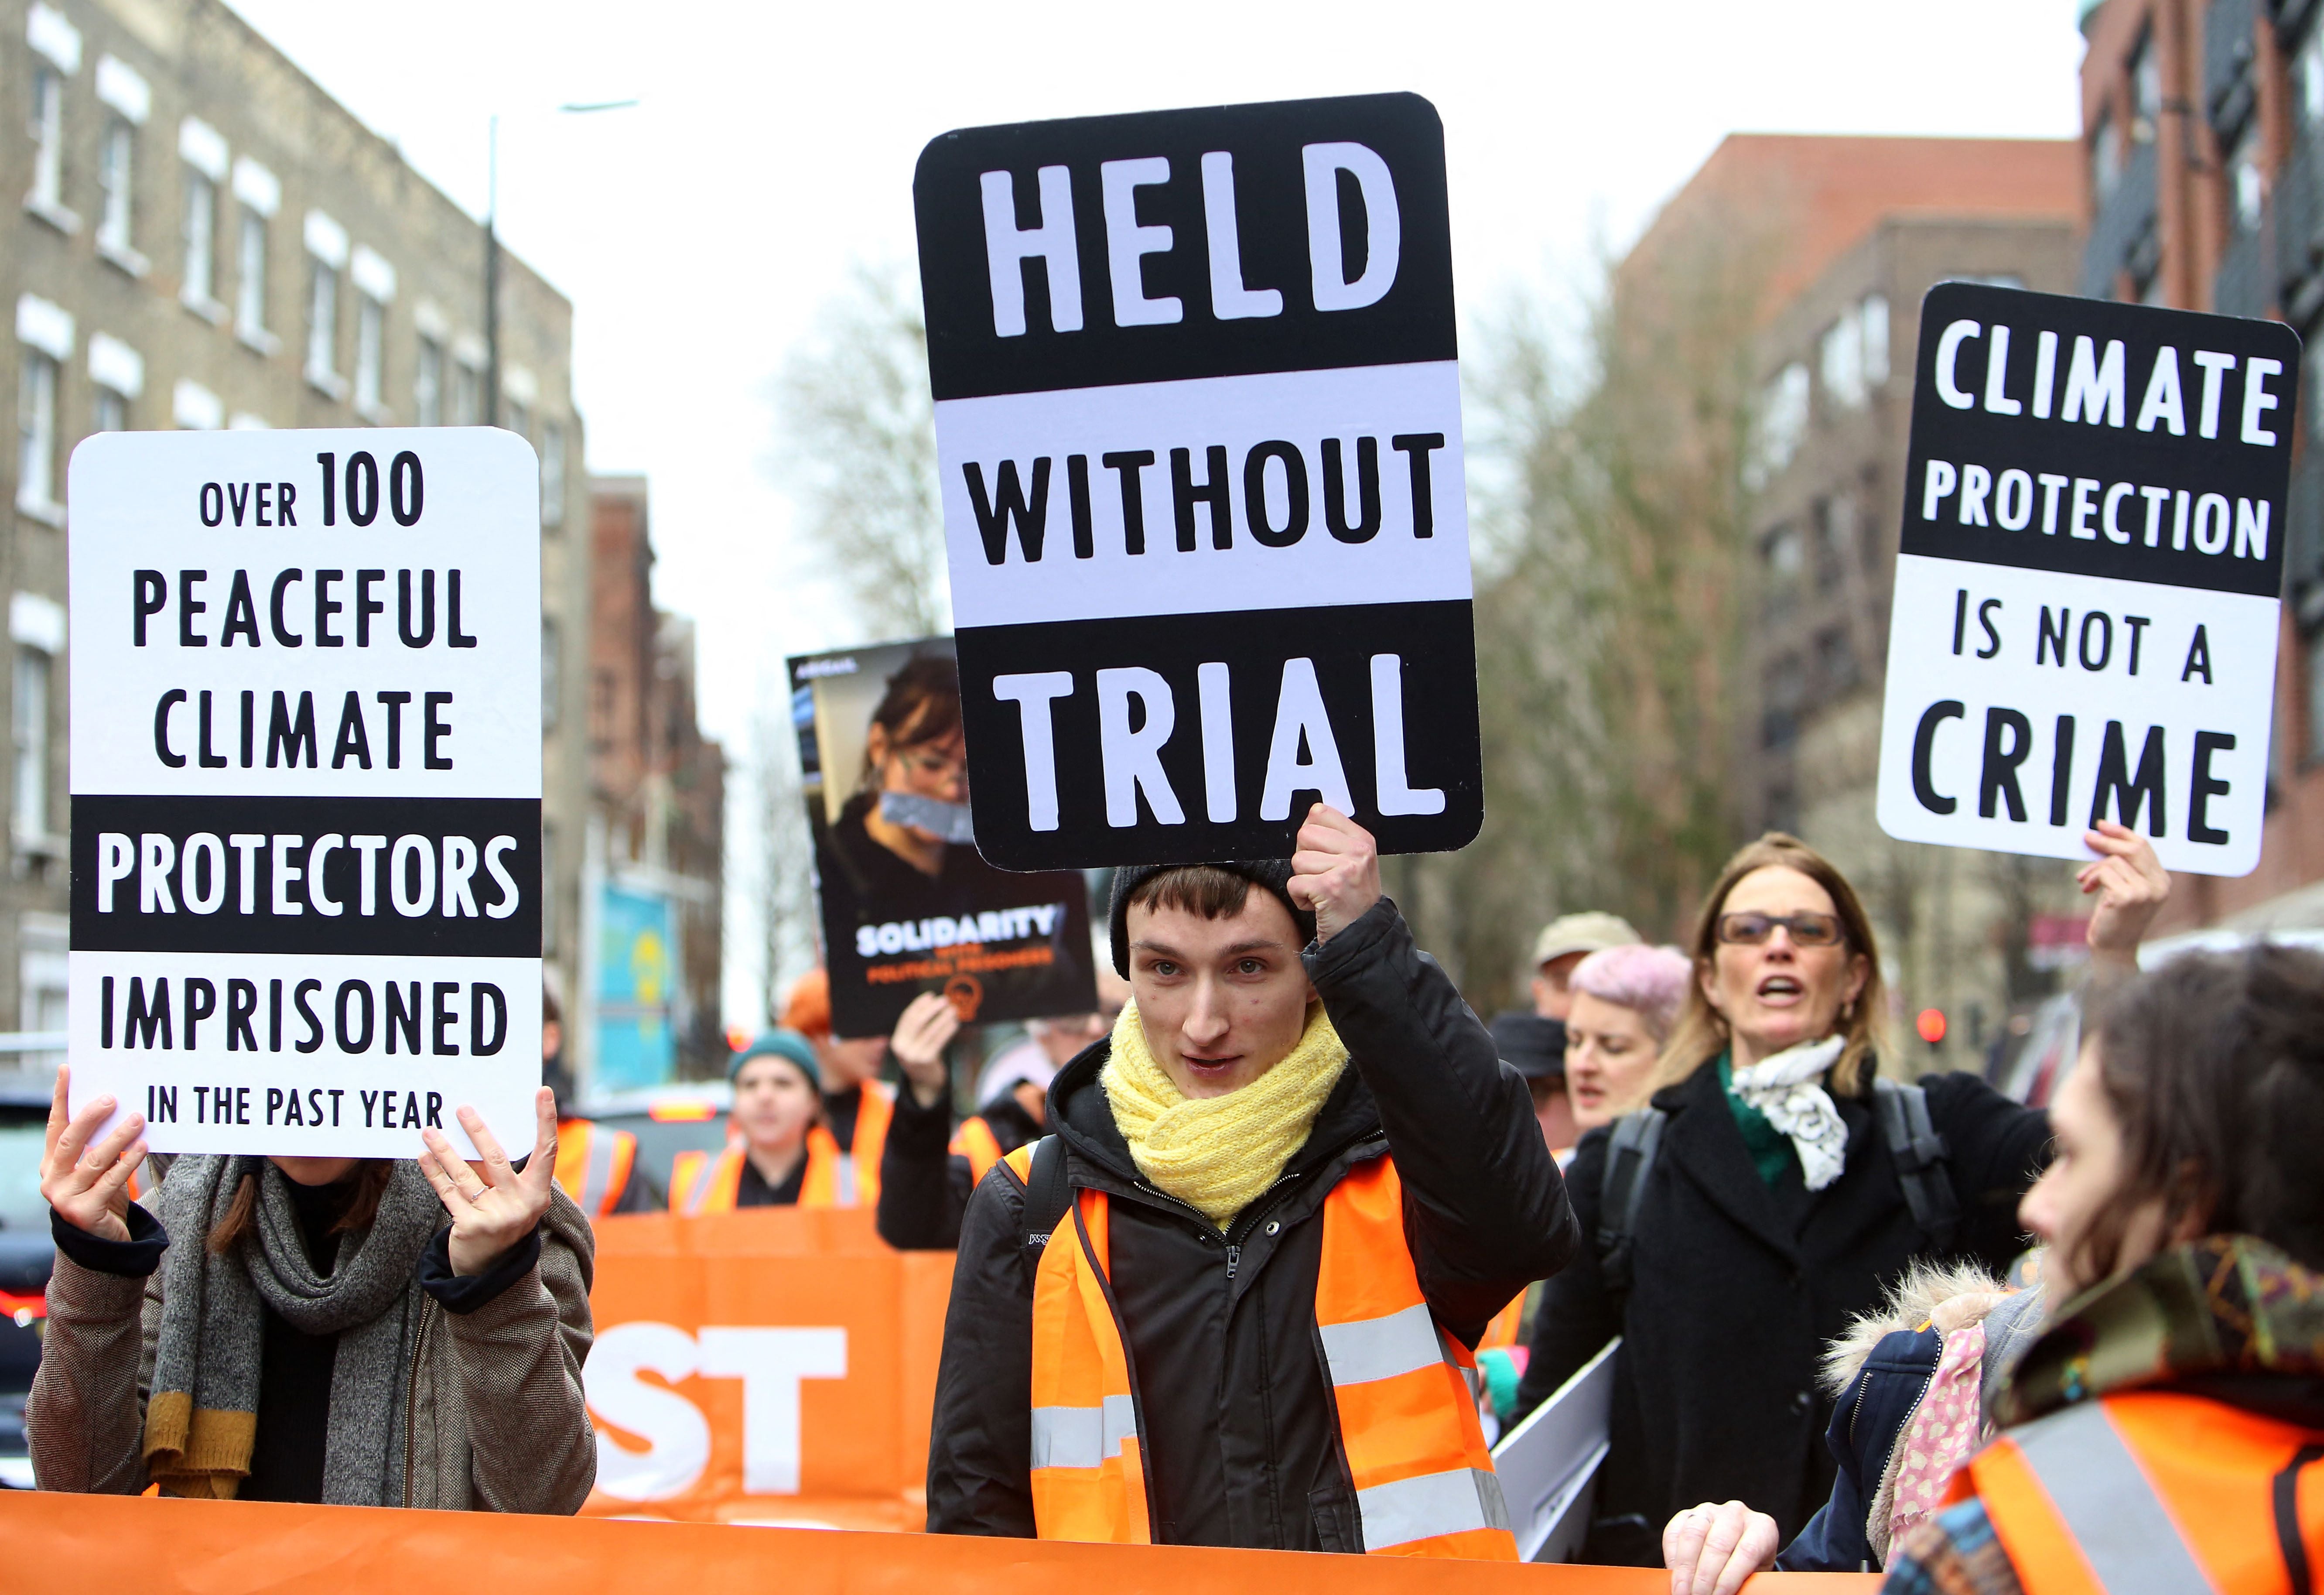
(2203,143)
(1840,238)
(207,239)
(653,902)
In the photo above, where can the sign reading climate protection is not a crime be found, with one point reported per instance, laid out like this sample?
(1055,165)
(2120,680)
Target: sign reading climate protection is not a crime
(305,786)
(1197,406)
(2087,592)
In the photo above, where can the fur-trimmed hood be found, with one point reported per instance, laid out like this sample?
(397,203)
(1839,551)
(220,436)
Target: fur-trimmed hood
(1964,1291)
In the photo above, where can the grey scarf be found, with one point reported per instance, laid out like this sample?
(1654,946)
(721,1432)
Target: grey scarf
(201,1416)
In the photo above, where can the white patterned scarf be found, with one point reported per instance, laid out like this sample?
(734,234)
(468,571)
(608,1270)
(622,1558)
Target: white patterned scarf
(1788,1088)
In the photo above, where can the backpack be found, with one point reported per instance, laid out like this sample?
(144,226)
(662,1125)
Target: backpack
(1918,1151)
(1048,1197)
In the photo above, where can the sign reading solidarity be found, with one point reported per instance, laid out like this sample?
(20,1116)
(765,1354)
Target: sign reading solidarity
(2086,598)
(305,786)
(1198,423)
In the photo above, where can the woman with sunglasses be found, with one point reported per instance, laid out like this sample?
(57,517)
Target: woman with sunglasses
(1773,1212)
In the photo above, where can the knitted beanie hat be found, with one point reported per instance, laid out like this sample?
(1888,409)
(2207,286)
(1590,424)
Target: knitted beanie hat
(787,1044)
(1273,874)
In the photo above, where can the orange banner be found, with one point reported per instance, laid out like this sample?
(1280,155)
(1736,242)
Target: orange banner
(774,1366)
(182,1547)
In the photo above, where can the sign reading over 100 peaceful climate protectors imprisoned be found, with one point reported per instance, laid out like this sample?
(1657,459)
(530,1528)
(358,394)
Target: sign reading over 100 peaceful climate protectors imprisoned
(305,786)
(2087,592)
(1198,425)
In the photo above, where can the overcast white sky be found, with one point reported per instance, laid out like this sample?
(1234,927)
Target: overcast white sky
(698,233)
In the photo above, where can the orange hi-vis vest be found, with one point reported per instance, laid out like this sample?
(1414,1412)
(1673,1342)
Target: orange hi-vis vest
(700,1184)
(594,1164)
(859,1175)
(975,1141)
(1425,1481)
(2154,1491)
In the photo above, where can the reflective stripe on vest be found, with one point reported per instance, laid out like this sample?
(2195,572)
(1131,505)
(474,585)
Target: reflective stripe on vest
(1425,1482)
(2151,1491)
(975,1141)
(593,1165)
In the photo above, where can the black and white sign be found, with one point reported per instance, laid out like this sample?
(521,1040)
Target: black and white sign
(2087,592)
(907,905)
(305,786)
(1198,422)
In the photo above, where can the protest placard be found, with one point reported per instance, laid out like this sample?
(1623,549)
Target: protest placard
(305,786)
(907,904)
(1198,427)
(2087,592)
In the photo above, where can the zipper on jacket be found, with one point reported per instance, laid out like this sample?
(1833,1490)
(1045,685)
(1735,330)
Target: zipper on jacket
(1234,1258)
(411,1402)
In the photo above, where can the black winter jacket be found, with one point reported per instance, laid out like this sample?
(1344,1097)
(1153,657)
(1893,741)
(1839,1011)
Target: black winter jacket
(1735,1287)
(1241,1443)
(923,1185)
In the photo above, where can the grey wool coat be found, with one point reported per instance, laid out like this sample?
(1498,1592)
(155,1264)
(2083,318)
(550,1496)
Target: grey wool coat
(508,1373)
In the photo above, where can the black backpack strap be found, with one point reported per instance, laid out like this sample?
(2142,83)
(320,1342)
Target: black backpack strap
(1921,1159)
(1629,1158)
(1047,1196)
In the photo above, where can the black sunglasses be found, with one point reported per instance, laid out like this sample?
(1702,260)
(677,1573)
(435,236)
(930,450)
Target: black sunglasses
(1808,930)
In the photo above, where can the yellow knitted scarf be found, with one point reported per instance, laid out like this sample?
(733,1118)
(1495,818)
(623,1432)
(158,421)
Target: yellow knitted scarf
(1218,1154)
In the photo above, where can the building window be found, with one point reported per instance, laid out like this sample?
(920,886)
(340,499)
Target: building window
(1841,358)
(1873,316)
(1782,423)
(201,238)
(250,276)
(371,334)
(519,420)
(552,474)
(2308,81)
(323,325)
(48,131)
(428,384)
(114,167)
(28,728)
(602,693)
(1836,660)
(36,432)
(2146,86)
(467,393)
(2247,186)
(1787,690)
(110,413)
(2105,159)
(551,659)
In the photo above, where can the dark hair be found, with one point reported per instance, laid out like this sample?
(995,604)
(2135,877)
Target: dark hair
(1701,1034)
(2213,1066)
(921,705)
(370,1177)
(1205,890)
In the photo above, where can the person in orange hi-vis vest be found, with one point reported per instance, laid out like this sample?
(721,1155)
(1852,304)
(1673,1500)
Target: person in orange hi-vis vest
(2164,1433)
(1231,1296)
(857,1104)
(779,1154)
(930,1169)
(594,1164)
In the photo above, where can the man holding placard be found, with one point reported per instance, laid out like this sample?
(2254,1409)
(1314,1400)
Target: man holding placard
(1198,422)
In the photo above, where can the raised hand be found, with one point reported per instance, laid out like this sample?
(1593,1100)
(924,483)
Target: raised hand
(918,1043)
(1334,870)
(493,1206)
(89,1186)
(2131,885)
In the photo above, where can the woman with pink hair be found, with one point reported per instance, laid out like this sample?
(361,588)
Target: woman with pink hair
(1626,1001)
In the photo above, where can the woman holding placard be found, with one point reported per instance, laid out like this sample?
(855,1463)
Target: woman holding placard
(318,1332)
(1788,1187)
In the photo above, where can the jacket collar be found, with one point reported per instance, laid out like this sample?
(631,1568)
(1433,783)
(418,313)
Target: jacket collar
(2227,1311)
(1083,1121)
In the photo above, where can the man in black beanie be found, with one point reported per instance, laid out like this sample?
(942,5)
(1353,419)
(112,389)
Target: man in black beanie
(1227,1300)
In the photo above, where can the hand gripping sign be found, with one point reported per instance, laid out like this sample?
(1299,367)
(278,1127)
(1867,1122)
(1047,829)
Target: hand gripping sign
(2086,597)
(1198,424)
(305,786)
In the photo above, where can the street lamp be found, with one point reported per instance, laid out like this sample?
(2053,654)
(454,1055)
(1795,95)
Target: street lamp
(491,417)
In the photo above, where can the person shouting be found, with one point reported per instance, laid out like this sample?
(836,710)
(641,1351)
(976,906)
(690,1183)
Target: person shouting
(1227,1300)
(313,1329)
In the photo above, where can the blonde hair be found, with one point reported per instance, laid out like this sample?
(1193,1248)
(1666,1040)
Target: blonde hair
(1702,1035)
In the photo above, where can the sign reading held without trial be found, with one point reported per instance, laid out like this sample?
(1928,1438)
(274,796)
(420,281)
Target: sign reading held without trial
(1198,424)
(2087,592)
(305,786)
